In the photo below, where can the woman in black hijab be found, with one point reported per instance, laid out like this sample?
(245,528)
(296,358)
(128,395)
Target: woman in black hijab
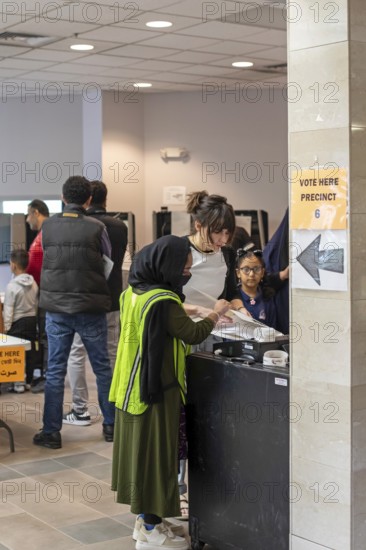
(148,387)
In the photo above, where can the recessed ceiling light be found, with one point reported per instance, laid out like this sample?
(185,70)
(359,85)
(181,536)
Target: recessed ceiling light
(242,64)
(159,24)
(142,85)
(82,47)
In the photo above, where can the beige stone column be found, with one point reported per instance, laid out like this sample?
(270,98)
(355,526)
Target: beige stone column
(327,123)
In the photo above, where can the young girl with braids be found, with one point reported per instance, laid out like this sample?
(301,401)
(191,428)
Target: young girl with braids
(256,289)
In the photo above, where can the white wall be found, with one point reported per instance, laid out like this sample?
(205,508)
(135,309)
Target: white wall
(123,156)
(92,138)
(40,139)
(221,135)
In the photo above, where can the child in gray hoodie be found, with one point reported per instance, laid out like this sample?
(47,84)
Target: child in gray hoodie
(20,309)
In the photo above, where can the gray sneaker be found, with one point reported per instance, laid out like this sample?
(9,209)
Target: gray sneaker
(37,386)
(176,528)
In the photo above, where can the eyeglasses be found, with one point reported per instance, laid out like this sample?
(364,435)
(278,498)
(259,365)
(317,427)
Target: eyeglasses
(244,252)
(246,269)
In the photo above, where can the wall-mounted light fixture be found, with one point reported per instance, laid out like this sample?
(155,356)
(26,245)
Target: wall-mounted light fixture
(174,153)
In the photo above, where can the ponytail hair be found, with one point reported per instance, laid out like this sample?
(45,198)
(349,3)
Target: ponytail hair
(212,211)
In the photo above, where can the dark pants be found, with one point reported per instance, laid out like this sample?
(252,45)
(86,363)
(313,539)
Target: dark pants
(26,328)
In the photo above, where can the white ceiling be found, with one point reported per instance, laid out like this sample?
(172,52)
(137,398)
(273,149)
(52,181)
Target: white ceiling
(206,37)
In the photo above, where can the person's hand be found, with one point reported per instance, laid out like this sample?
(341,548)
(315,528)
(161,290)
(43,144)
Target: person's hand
(237,305)
(244,311)
(217,315)
(221,307)
(284,274)
(202,312)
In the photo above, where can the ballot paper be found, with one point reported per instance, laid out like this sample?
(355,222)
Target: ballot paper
(244,327)
(107,266)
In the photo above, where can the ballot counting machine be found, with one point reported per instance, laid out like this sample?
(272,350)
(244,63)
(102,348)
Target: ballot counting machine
(250,349)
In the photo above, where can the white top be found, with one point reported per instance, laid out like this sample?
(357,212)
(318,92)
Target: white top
(208,278)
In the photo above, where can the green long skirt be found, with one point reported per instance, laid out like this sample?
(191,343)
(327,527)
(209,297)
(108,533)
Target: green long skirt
(145,458)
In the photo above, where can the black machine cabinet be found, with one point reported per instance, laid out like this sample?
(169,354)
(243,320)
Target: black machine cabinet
(259,225)
(238,441)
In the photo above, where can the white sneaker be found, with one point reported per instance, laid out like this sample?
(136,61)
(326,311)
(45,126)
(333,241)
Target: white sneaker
(159,538)
(19,387)
(82,419)
(175,528)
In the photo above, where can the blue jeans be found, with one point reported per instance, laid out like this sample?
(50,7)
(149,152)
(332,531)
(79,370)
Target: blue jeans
(60,328)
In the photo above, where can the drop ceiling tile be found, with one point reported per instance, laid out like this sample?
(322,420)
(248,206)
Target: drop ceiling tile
(270,37)
(143,5)
(6,73)
(275,54)
(207,70)
(23,64)
(195,57)
(9,51)
(73,68)
(221,30)
(179,42)
(250,75)
(157,4)
(232,48)
(41,54)
(199,8)
(58,29)
(172,87)
(85,12)
(174,77)
(119,34)
(121,72)
(143,52)
(106,61)
(28,8)
(7,21)
(160,65)
(52,81)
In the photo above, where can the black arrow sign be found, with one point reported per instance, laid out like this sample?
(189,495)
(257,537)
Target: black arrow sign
(312,259)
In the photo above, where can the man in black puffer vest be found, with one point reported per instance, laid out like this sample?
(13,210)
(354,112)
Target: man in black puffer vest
(117,232)
(75,295)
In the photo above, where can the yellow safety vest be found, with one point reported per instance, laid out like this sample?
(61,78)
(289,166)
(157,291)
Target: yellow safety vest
(125,388)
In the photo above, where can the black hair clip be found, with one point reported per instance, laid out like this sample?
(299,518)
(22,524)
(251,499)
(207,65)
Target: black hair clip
(248,250)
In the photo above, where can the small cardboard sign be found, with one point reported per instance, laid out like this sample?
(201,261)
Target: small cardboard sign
(12,360)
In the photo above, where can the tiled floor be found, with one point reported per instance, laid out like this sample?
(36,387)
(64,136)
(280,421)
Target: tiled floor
(58,499)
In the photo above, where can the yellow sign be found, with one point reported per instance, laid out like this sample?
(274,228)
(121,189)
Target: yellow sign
(319,198)
(12,364)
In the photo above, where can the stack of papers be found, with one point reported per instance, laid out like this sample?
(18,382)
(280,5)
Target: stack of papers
(244,327)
